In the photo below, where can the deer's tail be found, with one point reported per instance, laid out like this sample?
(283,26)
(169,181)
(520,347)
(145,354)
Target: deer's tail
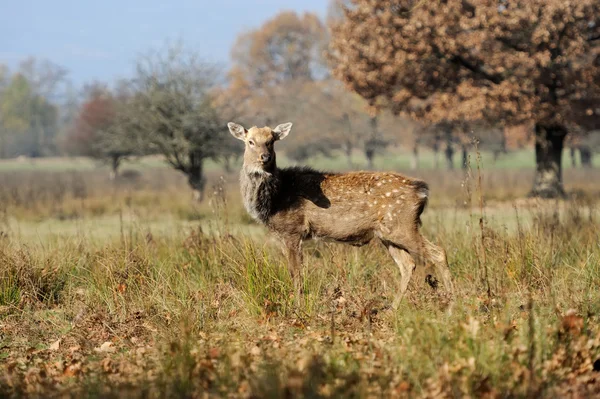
(422,190)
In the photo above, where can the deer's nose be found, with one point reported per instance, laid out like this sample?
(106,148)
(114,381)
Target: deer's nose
(265,157)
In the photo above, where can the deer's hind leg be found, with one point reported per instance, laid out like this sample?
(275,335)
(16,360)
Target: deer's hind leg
(407,265)
(406,246)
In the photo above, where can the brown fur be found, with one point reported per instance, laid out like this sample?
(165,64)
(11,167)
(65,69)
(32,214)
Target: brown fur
(298,204)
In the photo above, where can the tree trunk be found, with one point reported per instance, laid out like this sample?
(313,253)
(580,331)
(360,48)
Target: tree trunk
(370,147)
(348,152)
(115,162)
(196,180)
(369,154)
(347,143)
(465,158)
(585,153)
(436,155)
(449,156)
(549,142)
(573,157)
(227,164)
(414,161)
(496,156)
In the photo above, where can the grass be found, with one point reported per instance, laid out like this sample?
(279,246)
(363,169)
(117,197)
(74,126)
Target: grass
(135,290)
(396,159)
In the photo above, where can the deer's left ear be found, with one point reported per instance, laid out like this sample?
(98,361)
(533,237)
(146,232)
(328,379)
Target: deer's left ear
(237,131)
(281,131)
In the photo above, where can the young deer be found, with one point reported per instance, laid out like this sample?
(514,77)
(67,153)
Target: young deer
(300,203)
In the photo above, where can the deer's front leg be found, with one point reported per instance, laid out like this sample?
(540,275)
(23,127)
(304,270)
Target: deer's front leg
(293,252)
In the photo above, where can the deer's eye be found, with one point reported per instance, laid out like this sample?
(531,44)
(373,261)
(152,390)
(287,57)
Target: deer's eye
(251,143)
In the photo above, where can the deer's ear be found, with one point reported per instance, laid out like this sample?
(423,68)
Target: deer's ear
(281,131)
(237,131)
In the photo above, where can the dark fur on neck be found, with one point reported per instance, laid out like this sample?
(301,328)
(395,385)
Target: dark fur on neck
(267,192)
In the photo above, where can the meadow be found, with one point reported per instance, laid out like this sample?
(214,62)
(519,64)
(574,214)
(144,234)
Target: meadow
(129,288)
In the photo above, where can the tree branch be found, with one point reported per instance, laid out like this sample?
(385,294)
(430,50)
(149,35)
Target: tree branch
(477,69)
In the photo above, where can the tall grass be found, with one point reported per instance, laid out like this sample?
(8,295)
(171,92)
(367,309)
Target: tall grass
(207,308)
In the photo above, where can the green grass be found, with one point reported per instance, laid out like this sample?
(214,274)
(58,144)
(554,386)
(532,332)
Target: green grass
(395,159)
(150,294)
(207,307)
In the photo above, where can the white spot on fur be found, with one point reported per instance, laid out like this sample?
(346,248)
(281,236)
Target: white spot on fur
(375,202)
(389,215)
(395,191)
(397,201)
(379,184)
(388,194)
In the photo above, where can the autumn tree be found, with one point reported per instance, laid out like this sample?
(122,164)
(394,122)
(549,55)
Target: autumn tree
(456,60)
(100,130)
(172,110)
(271,67)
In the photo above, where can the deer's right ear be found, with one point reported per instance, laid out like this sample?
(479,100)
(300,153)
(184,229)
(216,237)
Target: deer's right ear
(237,131)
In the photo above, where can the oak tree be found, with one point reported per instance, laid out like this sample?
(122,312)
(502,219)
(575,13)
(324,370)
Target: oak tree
(505,61)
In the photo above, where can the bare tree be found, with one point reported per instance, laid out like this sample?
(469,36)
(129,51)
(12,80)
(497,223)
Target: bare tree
(173,110)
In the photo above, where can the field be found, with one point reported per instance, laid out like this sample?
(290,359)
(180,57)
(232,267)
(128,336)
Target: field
(131,289)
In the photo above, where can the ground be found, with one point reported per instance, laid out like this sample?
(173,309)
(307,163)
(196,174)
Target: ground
(130,288)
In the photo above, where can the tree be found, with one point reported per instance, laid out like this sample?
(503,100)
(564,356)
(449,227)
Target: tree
(172,109)
(268,62)
(454,60)
(286,48)
(586,143)
(28,121)
(331,119)
(100,131)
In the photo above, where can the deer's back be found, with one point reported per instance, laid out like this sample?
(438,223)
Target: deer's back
(345,207)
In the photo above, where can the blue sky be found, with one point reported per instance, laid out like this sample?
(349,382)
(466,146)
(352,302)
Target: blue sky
(100,40)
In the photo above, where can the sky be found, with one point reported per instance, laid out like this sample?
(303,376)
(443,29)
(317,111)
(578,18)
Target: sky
(100,40)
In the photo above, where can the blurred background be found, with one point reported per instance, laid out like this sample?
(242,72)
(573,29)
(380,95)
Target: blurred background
(132,100)
(130,268)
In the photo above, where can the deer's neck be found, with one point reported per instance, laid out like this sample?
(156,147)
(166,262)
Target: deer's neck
(259,191)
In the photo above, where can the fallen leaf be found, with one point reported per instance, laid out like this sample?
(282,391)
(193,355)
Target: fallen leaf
(122,288)
(255,351)
(107,365)
(106,347)
(72,369)
(214,353)
(55,346)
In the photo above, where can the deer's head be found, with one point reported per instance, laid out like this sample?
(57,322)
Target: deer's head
(259,154)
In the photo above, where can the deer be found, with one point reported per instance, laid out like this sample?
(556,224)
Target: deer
(299,203)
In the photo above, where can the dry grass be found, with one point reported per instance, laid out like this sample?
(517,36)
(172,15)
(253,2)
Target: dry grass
(150,295)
